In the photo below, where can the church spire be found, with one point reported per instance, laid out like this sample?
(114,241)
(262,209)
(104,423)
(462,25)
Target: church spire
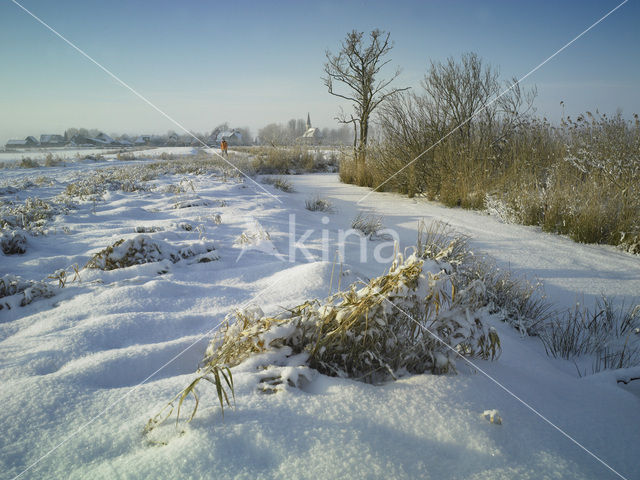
(308,121)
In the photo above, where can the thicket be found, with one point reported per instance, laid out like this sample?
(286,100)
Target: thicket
(285,160)
(465,140)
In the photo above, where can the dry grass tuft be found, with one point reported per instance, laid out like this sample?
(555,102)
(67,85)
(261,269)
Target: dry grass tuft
(408,321)
(318,204)
(611,334)
(280,183)
(513,298)
(369,225)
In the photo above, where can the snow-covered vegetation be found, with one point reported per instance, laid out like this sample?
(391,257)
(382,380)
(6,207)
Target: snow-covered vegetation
(408,321)
(318,204)
(280,183)
(580,178)
(290,159)
(189,287)
(369,224)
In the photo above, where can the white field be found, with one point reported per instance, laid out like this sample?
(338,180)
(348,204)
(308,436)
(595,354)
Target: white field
(81,372)
(72,154)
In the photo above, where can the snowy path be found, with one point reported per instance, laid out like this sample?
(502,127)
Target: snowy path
(570,271)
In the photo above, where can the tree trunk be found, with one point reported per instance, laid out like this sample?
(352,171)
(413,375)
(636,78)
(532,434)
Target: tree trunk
(361,160)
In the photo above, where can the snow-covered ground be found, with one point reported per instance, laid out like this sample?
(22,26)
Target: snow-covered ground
(72,154)
(155,152)
(9,157)
(83,371)
(570,272)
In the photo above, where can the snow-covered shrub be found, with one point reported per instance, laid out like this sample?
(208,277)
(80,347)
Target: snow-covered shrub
(30,216)
(126,179)
(318,204)
(369,225)
(28,162)
(148,229)
(143,249)
(611,334)
(515,299)
(518,302)
(13,242)
(193,202)
(409,321)
(252,237)
(125,156)
(439,242)
(93,158)
(182,187)
(15,291)
(630,243)
(52,160)
(500,208)
(273,160)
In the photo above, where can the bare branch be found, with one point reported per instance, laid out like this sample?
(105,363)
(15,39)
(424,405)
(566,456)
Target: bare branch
(356,67)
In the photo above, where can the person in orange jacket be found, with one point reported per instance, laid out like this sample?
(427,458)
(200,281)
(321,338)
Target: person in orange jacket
(223,147)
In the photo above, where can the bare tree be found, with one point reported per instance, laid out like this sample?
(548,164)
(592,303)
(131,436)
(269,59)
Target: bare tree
(274,134)
(467,95)
(462,118)
(356,67)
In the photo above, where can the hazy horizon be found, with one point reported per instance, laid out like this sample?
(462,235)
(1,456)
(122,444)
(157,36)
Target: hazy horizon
(258,63)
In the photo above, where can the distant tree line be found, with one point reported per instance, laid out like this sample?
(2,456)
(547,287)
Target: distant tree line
(277,134)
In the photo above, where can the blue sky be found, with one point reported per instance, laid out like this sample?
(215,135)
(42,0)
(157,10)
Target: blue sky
(255,62)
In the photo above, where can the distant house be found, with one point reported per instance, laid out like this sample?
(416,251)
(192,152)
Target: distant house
(52,140)
(79,140)
(101,140)
(233,137)
(311,136)
(28,142)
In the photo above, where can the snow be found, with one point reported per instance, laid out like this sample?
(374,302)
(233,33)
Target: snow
(74,154)
(71,366)
(569,271)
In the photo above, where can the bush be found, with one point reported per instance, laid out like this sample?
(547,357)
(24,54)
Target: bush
(189,203)
(253,237)
(30,216)
(580,178)
(318,204)
(288,160)
(402,322)
(280,183)
(511,298)
(15,291)
(143,249)
(110,179)
(28,162)
(369,225)
(126,156)
(52,161)
(13,242)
